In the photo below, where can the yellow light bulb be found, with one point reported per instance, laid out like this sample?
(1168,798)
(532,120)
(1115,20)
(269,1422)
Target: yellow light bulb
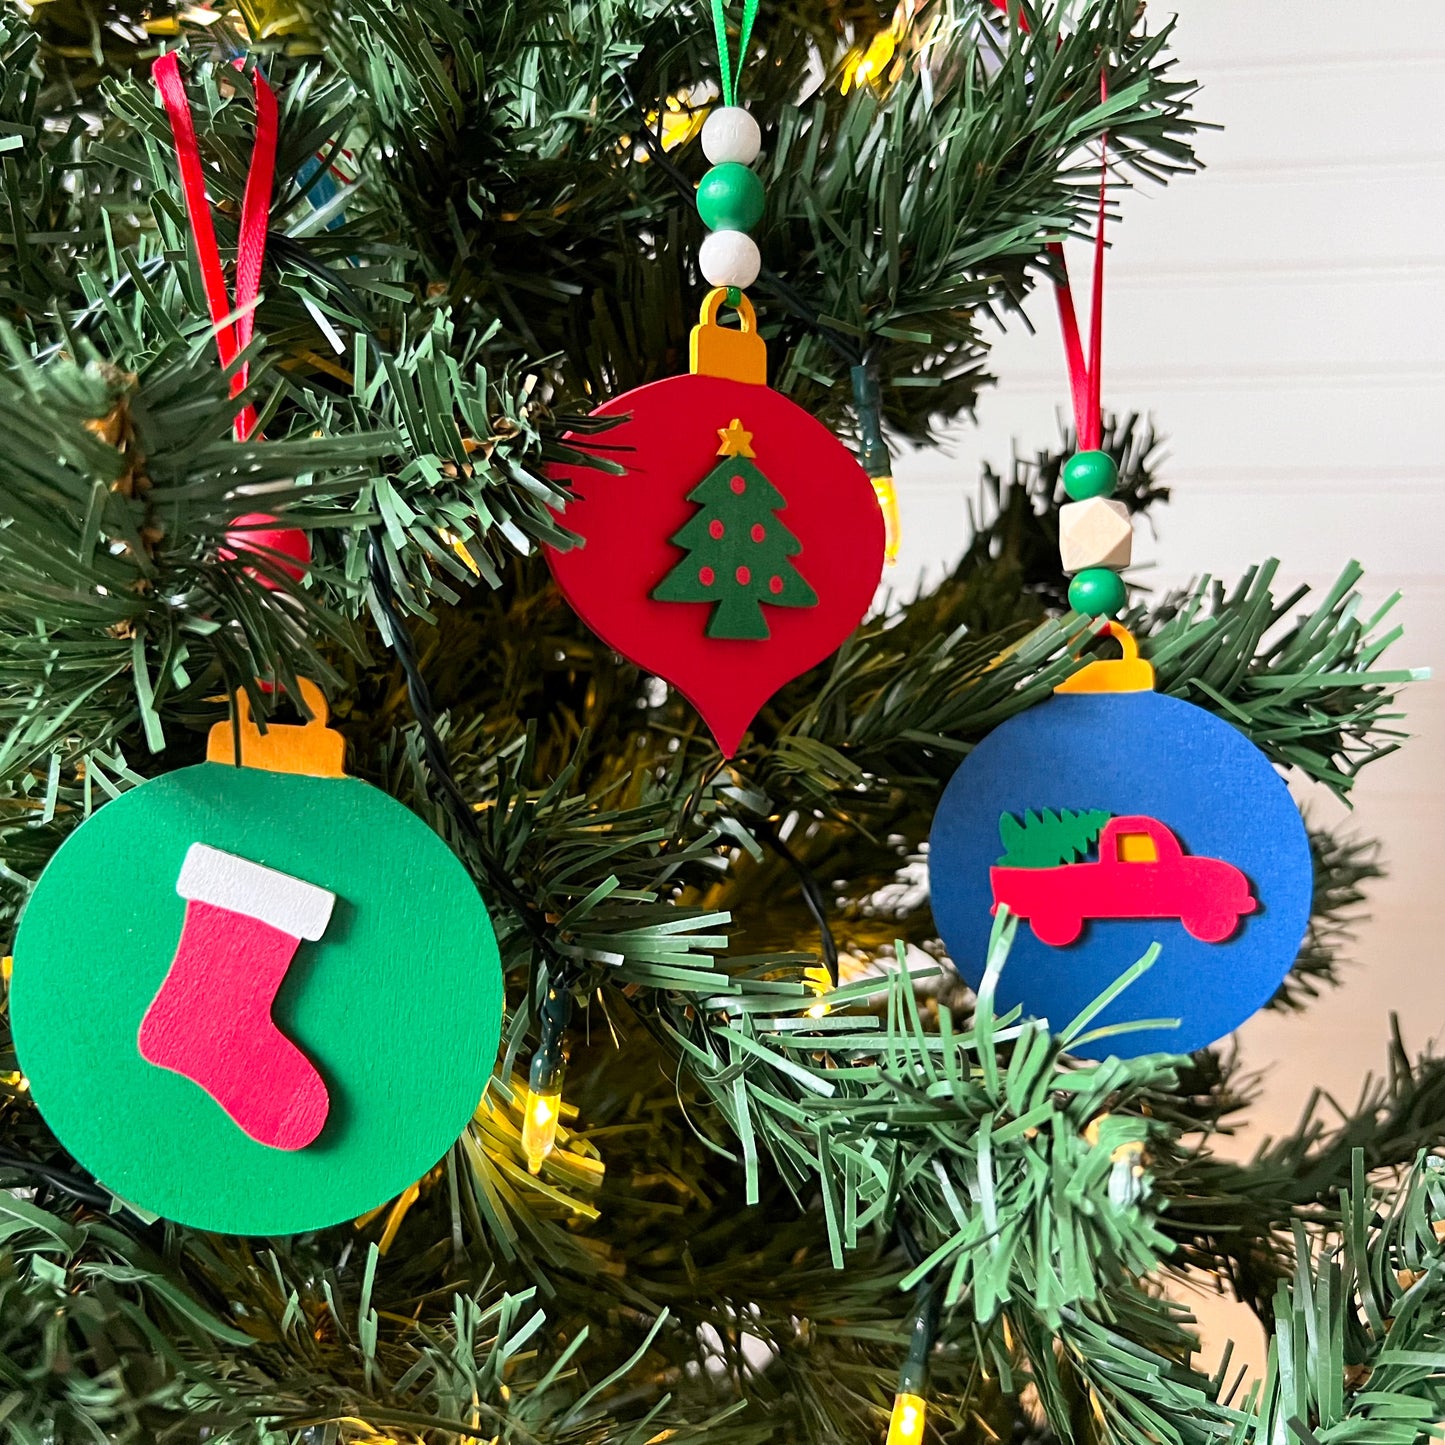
(460,548)
(863,67)
(887,495)
(539,1126)
(819,981)
(909,1414)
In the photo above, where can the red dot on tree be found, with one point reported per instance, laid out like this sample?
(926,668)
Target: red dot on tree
(705,575)
(715,530)
(775,585)
(738,485)
(758,532)
(743,576)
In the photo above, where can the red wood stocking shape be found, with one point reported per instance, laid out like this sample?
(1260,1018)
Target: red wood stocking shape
(211,1020)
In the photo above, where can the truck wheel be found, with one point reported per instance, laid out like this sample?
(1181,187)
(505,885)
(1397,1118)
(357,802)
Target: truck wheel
(1057,929)
(1211,927)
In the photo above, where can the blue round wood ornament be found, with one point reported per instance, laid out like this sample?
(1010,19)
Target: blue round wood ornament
(1108,819)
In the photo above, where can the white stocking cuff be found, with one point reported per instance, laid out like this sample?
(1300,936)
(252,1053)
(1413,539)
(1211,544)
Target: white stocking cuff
(289,905)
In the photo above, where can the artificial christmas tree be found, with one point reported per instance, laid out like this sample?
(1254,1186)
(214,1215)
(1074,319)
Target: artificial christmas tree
(759,1212)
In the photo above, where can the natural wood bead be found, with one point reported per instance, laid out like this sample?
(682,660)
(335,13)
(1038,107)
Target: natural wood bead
(1095,533)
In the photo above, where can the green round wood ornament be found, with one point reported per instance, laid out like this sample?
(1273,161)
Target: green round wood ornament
(257,999)
(1098,592)
(730,198)
(1090,474)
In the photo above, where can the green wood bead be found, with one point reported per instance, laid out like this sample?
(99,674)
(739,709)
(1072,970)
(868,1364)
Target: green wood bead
(730,198)
(1097,592)
(1090,474)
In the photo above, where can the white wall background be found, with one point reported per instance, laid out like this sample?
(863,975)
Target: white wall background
(1281,316)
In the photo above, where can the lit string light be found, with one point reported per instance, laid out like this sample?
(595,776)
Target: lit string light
(879,64)
(818,982)
(887,493)
(868,65)
(544,1078)
(910,1413)
(873,452)
(910,1407)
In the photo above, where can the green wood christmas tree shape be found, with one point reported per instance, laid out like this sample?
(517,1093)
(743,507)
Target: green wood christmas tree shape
(738,552)
(1047,839)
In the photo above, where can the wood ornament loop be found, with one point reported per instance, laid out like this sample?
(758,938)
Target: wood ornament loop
(716,299)
(735,354)
(1121,634)
(1129,673)
(311,749)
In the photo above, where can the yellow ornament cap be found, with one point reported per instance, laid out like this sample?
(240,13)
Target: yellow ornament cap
(1129,673)
(717,350)
(311,749)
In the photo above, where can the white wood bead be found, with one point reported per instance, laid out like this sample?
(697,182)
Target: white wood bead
(1095,533)
(729,258)
(731,134)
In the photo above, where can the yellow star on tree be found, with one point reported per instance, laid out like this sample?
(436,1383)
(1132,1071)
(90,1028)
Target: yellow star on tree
(736,441)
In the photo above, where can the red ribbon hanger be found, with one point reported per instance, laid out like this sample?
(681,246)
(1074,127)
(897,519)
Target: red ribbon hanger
(287,547)
(233,336)
(1085,373)
(1086,376)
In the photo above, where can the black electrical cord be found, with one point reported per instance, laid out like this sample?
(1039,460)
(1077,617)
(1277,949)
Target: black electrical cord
(812,892)
(923,1332)
(399,639)
(84,1190)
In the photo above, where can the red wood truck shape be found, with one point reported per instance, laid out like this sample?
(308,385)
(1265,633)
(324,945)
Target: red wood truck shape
(1207,895)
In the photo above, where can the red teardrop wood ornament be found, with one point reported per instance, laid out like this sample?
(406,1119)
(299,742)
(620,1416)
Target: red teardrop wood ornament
(741,546)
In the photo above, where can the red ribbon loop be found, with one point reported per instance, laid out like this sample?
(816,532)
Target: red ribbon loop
(233,336)
(1085,373)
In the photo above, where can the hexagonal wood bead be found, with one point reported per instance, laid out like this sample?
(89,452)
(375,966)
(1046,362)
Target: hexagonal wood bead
(1095,533)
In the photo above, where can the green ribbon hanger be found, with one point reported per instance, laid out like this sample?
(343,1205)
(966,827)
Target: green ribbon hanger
(730,73)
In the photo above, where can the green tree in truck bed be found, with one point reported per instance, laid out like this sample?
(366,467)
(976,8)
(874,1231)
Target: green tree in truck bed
(1047,839)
